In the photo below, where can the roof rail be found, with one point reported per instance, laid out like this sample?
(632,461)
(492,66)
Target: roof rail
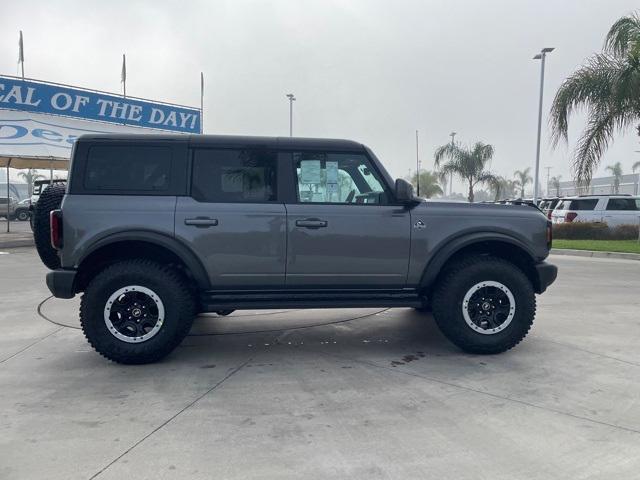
(605,195)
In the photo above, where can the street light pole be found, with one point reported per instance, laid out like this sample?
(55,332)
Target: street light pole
(453,136)
(292,99)
(540,56)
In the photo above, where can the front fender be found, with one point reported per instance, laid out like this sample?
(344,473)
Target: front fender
(443,254)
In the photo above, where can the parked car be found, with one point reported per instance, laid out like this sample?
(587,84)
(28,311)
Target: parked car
(155,229)
(8,207)
(547,205)
(17,210)
(610,209)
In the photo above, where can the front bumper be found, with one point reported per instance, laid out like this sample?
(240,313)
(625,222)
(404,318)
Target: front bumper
(547,274)
(61,283)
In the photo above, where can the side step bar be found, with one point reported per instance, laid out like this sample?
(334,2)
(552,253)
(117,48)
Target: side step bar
(212,301)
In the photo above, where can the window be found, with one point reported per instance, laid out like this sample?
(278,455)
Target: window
(128,168)
(622,204)
(229,176)
(581,204)
(337,178)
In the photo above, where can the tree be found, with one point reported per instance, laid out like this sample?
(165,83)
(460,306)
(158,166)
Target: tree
(555,183)
(467,163)
(616,171)
(30,176)
(608,88)
(501,188)
(429,186)
(522,179)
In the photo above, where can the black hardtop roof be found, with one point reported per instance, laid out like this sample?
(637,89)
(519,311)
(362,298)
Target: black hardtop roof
(231,140)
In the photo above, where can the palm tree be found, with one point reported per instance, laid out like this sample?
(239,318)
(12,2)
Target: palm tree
(29,177)
(467,163)
(608,88)
(429,186)
(522,179)
(555,183)
(616,171)
(501,187)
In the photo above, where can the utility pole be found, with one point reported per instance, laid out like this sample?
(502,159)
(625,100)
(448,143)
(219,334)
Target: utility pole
(292,99)
(540,56)
(417,167)
(453,136)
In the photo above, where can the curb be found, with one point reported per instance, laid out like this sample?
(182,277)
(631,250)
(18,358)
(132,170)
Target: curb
(17,242)
(594,254)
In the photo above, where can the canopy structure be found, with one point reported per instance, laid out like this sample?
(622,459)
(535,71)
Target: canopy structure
(32,140)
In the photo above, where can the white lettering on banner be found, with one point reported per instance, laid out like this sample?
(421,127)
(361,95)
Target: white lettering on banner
(171,120)
(80,101)
(103,106)
(29,99)
(157,116)
(135,113)
(68,101)
(15,94)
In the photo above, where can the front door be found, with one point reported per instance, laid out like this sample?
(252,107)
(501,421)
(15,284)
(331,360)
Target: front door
(233,220)
(343,230)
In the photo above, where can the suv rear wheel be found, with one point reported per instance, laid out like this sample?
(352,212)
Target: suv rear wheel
(484,304)
(136,311)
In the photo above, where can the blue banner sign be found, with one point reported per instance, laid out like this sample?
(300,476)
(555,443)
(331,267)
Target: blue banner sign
(51,99)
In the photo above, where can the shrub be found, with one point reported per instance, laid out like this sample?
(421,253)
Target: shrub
(625,232)
(594,231)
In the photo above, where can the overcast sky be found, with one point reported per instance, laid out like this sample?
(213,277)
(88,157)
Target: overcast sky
(372,71)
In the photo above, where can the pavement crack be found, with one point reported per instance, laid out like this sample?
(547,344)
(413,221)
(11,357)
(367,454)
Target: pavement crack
(483,392)
(31,345)
(591,352)
(173,417)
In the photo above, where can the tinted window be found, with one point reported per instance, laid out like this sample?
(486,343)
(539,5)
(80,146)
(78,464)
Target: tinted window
(226,176)
(581,204)
(622,204)
(128,168)
(337,178)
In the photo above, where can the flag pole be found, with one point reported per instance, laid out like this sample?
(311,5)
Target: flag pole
(201,102)
(21,54)
(123,76)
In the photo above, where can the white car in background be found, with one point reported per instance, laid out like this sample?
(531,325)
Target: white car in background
(613,210)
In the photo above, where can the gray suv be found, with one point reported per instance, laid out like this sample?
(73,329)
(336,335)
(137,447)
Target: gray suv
(155,229)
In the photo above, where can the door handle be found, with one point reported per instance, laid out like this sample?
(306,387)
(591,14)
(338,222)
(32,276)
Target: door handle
(201,222)
(311,223)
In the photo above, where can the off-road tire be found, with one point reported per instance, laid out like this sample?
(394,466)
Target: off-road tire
(50,199)
(172,289)
(455,283)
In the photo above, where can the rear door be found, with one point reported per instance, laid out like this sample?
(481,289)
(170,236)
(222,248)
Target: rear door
(343,229)
(233,218)
(622,211)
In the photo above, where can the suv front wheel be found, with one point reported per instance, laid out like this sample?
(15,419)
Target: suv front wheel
(136,311)
(484,304)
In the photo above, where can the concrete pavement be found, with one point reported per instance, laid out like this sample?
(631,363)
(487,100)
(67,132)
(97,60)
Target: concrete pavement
(361,394)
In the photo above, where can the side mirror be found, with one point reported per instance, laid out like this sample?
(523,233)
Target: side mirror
(404,192)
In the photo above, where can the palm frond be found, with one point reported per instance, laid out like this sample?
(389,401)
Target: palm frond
(623,36)
(591,85)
